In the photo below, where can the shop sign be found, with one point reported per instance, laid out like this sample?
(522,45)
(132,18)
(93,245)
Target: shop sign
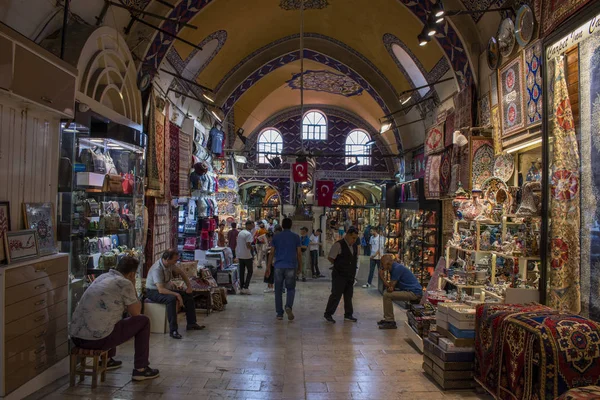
(576,36)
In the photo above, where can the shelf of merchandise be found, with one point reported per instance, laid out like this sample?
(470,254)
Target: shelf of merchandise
(460,286)
(414,336)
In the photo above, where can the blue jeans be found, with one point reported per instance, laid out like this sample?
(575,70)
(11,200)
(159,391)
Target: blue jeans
(287,276)
(374,263)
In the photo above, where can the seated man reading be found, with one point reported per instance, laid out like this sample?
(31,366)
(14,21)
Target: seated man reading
(98,324)
(403,286)
(159,289)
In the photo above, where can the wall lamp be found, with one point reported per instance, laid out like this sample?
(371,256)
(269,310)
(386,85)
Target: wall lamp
(352,164)
(438,14)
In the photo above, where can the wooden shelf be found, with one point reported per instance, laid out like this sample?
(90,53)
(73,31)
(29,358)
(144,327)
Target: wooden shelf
(503,255)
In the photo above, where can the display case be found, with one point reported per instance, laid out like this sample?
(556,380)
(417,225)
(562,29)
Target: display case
(100,199)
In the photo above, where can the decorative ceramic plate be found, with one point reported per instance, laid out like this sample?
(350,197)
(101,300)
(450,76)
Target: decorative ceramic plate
(231,196)
(504,166)
(524,25)
(493,53)
(230,209)
(230,183)
(506,37)
(491,187)
(221,196)
(222,183)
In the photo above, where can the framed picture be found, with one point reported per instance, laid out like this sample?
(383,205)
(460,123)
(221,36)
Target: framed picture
(4,227)
(40,218)
(21,245)
(511,97)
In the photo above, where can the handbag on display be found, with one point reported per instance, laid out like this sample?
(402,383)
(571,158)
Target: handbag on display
(110,165)
(112,184)
(91,245)
(94,162)
(92,208)
(107,260)
(115,241)
(104,244)
(190,244)
(110,222)
(128,183)
(123,239)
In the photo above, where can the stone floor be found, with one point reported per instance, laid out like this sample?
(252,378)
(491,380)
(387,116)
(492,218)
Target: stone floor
(246,354)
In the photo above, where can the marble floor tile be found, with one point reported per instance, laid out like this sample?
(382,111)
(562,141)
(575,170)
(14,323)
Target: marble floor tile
(245,353)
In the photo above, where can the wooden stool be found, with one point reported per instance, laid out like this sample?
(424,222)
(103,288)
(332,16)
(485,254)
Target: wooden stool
(99,362)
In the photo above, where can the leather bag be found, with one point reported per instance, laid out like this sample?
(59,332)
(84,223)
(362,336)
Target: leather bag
(112,184)
(128,183)
(108,260)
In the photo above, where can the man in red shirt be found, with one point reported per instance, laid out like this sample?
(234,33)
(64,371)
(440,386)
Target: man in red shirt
(232,238)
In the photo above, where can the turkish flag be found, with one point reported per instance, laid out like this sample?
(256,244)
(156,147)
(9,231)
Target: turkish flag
(300,171)
(324,193)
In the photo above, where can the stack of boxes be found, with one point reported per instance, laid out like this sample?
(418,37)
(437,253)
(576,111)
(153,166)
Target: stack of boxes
(449,352)
(420,319)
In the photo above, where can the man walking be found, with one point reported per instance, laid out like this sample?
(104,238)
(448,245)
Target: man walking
(377,246)
(315,247)
(288,260)
(344,257)
(232,238)
(403,286)
(160,289)
(98,323)
(244,255)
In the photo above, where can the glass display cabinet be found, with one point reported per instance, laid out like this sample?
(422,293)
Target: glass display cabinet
(100,199)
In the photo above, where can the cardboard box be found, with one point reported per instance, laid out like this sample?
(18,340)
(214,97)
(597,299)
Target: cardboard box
(458,342)
(447,345)
(447,383)
(461,333)
(464,325)
(434,337)
(452,375)
(462,314)
(449,356)
(90,179)
(442,324)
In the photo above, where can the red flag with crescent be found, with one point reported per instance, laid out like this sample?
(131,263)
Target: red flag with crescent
(300,171)
(324,193)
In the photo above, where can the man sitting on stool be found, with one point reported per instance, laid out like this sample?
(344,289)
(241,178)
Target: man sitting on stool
(98,322)
(344,257)
(403,286)
(158,289)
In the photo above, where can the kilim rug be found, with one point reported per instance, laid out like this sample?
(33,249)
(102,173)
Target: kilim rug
(434,139)
(432,176)
(546,354)
(174,159)
(449,129)
(185,163)
(445,171)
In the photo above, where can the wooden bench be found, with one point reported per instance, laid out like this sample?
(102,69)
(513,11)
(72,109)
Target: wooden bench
(99,364)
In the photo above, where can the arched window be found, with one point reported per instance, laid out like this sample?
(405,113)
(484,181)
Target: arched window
(269,141)
(314,126)
(356,146)
(411,68)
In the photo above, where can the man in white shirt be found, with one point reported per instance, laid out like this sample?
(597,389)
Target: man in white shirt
(98,322)
(377,243)
(314,247)
(243,251)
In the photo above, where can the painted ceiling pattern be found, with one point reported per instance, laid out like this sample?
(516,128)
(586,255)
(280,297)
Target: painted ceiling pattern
(311,55)
(181,65)
(290,5)
(326,81)
(184,11)
(338,129)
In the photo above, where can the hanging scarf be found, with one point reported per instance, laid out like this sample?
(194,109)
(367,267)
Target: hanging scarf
(564,283)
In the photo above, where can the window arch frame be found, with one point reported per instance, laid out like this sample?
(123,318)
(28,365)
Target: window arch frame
(351,149)
(323,132)
(261,146)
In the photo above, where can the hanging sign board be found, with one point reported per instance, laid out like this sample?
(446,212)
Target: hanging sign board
(576,36)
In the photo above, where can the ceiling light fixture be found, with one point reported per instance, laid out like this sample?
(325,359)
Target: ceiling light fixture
(438,9)
(370,142)
(524,145)
(431,27)
(459,139)
(216,115)
(405,98)
(208,96)
(385,126)
(423,38)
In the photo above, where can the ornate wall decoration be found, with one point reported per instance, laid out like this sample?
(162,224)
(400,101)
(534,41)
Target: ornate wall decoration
(484,110)
(434,139)
(432,176)
(290,5)
(552,12)
(511,97)
(326,81)
(482,160)
(533,83)
(473,5)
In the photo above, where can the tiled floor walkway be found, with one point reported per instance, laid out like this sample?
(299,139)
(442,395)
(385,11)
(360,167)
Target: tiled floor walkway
(246,354)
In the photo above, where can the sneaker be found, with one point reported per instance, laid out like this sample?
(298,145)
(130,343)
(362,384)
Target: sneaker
(289,313)
(242,291)
(280,318)
(303,279)
(367,285)
(350,318)
(389,325)
(268,290)
(248,292)
(329,318)
(195,327)
(383,321)
(321,276)
(113,364)
(147,373)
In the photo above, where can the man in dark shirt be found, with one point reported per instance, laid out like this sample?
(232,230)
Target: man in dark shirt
(402,286)
(344,257)
(232,238)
